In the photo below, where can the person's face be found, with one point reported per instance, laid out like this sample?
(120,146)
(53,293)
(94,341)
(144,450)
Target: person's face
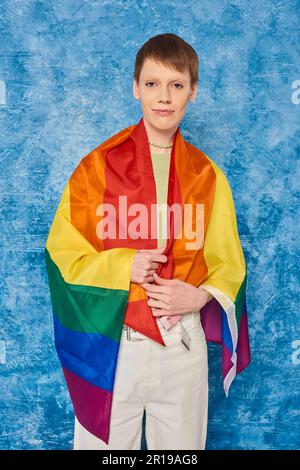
(163,88)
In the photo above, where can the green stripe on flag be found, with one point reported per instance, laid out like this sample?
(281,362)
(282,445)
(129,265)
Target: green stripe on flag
(239,301)
(87,309)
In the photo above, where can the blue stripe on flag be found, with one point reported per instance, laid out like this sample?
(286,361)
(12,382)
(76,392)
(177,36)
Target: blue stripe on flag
(91,356)
(226,336)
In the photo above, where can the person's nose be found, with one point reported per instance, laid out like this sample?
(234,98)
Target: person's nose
(165,95)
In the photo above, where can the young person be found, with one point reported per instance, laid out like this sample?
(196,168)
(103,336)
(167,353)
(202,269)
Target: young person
(138,291)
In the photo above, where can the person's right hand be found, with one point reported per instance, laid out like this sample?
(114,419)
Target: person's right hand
(145,263)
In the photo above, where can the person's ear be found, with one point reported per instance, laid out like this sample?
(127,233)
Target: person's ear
(135,90)
(193,93)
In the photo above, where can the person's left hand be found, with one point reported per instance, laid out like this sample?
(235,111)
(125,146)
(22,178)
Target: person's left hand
(174,297)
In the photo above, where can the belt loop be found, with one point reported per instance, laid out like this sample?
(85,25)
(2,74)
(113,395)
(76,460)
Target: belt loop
(129,330)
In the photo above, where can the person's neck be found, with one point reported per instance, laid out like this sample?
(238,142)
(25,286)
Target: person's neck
(164,138)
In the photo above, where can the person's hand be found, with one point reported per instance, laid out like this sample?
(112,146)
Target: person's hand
(174,297)
(145,263)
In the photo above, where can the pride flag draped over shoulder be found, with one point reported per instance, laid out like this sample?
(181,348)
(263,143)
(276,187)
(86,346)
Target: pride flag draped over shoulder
(89,276)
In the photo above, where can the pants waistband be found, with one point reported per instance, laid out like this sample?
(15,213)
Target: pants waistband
(188,321)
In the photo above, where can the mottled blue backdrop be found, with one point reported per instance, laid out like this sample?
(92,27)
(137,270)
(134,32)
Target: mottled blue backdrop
(66,85)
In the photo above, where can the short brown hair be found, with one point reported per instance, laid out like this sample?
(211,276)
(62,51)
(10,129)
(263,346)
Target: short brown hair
(170,50)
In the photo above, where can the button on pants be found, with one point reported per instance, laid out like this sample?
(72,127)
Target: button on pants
(169,382)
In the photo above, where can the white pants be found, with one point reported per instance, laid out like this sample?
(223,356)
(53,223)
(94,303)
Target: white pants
(169,382)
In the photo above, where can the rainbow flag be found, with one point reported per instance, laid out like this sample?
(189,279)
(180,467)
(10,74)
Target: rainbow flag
(89,256)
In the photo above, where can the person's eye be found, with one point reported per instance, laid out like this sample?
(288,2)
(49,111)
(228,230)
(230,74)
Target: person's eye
(152,83)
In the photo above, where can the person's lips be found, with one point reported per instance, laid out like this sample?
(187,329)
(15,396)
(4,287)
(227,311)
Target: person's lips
(163,112)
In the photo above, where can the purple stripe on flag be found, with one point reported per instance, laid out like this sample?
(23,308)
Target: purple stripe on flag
(211,319)
(243,347)
(92,405)
(226,361)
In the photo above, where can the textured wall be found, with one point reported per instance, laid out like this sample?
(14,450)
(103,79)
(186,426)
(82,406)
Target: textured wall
(65,86)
